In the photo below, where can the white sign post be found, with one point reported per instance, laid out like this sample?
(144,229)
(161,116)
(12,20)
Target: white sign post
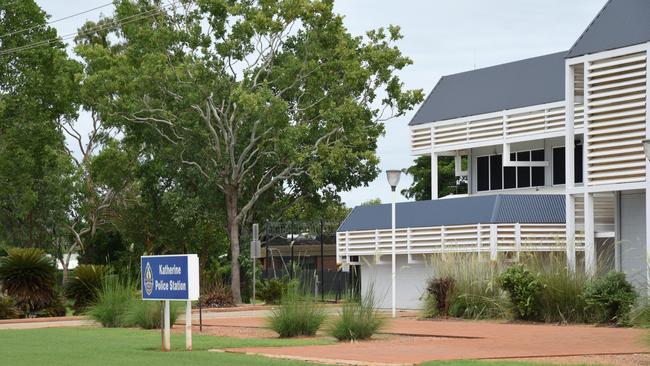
(171,278)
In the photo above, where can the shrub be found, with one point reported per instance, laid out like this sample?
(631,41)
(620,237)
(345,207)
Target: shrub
(524,289)
(148,314)
(113,300)
(28,276)
(8,308)
(270,291)
(83,285)
(610,298)
(56,307)
(298,314)
(357,320)
(216,295)
(440,292)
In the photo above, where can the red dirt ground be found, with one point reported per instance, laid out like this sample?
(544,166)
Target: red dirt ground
(420,341)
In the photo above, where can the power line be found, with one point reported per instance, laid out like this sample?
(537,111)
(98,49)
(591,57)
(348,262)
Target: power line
(131,19)
(55,21)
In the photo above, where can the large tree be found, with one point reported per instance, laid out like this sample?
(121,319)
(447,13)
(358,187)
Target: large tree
(254,95)
(37,89)
(448,183)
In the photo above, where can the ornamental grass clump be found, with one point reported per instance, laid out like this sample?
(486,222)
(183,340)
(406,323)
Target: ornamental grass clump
(28,276)
(148,314)
(561,300)
(358,320)
(476,293)
(298,314)
(112,302)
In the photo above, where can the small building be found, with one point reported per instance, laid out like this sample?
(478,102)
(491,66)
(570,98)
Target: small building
(554,157)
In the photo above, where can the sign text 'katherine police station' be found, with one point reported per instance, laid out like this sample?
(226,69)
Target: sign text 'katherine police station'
(170,277)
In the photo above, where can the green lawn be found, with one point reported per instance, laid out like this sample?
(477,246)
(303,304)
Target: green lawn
(103,346)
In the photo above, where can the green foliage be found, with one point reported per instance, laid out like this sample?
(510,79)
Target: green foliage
(28,276)
(477,294)
(429,307)
(216,295)
(525,290)
(420,189)
(271,290)
(610,298)
(298,314)
(148,314)
(357,320)
(8,308)
(84,284)
(561,300)
(92,346)
(112,303)
(640,314)
(440,293)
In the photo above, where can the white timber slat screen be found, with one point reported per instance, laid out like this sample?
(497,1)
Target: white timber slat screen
(491,130)
(616,94)
(453,239)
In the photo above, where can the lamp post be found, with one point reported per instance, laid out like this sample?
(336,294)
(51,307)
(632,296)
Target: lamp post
(393,179)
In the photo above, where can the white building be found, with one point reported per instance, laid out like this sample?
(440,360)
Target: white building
(528,192)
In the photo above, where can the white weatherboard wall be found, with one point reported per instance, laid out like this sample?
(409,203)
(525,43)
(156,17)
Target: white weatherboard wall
(411,281)
(633,246)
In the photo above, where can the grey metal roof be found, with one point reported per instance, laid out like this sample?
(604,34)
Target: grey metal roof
(512,85)
(620,23)
(489,209)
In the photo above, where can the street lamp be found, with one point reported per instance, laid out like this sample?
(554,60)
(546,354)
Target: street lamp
(393,179)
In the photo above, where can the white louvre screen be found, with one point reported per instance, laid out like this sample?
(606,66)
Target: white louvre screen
(616,106)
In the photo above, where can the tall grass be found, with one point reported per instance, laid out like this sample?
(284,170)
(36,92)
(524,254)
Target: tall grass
(148,314)
(562,299)
(476,293)
(358,320)
(112,302)
(298,314)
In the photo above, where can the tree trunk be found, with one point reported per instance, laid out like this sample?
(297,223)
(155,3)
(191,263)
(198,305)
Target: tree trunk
(233,237)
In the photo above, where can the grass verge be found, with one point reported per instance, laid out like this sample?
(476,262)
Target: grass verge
(115,346)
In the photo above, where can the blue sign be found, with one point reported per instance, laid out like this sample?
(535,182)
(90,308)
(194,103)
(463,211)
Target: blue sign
(170,277)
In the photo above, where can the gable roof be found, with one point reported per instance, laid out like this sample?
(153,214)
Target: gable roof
(511,85)
(489,209)
(620,23)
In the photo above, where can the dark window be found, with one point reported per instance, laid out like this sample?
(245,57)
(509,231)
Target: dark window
(523,173)
(483,173)
(496,165)
(537,173)
(578,167)
(558,166)
(509,177)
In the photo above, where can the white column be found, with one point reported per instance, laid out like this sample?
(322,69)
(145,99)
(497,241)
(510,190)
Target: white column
(570,214)
(392,273)
(434,176)
(647,173)
(569,161)
(188,325)
(518,240)
(493,242)
(590,245)
(167,344)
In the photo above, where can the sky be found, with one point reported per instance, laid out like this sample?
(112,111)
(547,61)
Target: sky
(442,37)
